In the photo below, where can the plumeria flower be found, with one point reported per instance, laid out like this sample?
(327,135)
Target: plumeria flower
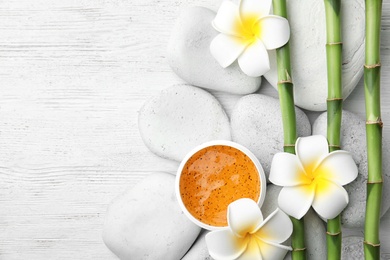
(248,236)
(313,177)
(247,31)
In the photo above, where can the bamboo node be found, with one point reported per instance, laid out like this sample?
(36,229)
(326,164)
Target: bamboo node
(371,244)
(288,81)
(372,66)
(334,43)
(333,234)
(299,249)
(375,122)
(375,182)
(334,145)
(334,99)
(289,145)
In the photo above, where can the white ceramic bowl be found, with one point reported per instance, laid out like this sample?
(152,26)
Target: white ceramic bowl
(239,147)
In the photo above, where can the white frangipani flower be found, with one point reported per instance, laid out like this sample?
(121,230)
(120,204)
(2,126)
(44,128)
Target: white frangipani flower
(313,177)
(247,31)
(248,236)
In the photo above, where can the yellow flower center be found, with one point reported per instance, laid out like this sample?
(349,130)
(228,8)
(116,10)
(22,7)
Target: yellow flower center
(313,177)
(248,28)
(252,242)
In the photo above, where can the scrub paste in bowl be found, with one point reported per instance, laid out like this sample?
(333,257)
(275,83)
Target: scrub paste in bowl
(212,176)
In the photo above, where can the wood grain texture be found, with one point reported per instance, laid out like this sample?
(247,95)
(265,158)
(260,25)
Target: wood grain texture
(73,75)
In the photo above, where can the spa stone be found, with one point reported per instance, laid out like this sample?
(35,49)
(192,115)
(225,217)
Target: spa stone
(179,119)
(145,222)
(256,123)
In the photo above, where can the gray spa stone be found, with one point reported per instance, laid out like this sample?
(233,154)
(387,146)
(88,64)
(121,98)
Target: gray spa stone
(180,118)
(352,248)
(199,250)
(308,51)
(271,199)
(146,222)
(256,122)
(353,139)
(190,58)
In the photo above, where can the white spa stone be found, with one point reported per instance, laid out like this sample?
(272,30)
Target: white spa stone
(271,199)
(146,222)
(180,118)
(256,123)
(352,248)
(353,139)
(308,54)
(199,250)
(190,58)
(314,227)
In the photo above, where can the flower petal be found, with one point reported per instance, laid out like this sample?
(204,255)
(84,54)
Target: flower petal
(225,49)
(223,244)
(254,61)
(272,250)
(330,199)
(296,200)
(339,167)
(227,20)
(252,251)
(254,8)
(310,150)
(244,216)
(274,31)
(276,228)
(286,170)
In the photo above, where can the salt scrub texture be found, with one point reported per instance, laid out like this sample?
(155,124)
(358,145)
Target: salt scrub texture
(180,118)
(199,250)
(146,222)
(256,123)
(352,248)
(214,177)
(314,227)
(308,51)
(190,58)
(353,140)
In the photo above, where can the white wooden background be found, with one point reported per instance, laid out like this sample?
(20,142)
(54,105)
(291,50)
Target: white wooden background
(73,74)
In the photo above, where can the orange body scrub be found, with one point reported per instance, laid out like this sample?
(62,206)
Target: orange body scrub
(214,177)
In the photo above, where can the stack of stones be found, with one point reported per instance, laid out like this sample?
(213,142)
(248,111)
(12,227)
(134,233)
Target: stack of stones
(188,114)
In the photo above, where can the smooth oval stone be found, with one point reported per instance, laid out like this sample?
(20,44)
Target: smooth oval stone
(353,139)
(271,200)
(352,248)
(199,250)
(190,58)
(146,222)
(256,122)
(180,118)
(315,232)
(308,51)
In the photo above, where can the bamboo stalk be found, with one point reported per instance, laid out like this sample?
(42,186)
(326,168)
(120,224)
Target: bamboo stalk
(373,128)
(286,97)
(334,107)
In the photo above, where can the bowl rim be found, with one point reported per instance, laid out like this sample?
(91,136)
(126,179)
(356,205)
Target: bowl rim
(246,151)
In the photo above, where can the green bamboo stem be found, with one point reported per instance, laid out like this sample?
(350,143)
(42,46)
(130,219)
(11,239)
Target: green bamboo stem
(373,128)
(298,239)
(286,97)
(334,107)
